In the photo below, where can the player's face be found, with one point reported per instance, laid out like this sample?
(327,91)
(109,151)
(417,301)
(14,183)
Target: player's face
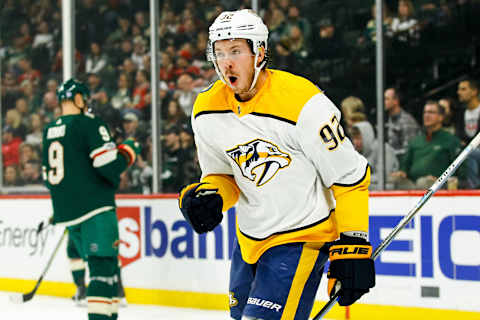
(235,60)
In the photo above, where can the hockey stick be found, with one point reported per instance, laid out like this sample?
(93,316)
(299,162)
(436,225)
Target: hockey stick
(434,188)
(44,225)
(22,298)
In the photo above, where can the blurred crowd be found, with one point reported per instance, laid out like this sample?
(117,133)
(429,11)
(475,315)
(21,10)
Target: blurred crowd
(331,42)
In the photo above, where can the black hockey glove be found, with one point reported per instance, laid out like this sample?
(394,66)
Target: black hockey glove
(351,265)
(201,206)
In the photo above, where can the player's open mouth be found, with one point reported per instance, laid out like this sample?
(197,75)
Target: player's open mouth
(232,79)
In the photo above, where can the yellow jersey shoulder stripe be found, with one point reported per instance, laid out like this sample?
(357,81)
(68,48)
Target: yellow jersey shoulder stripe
(287,96)
(214,98)
(282,97)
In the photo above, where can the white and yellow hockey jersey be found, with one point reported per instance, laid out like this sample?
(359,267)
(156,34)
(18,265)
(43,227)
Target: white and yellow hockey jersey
(285,157)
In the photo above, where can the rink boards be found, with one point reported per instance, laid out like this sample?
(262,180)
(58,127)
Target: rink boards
(432,269)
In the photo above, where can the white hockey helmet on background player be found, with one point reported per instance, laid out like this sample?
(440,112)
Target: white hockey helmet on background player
(240,24)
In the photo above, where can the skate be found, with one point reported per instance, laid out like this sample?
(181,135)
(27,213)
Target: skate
(80,297)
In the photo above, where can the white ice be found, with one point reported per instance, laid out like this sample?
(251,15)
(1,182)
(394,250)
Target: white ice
(52,308)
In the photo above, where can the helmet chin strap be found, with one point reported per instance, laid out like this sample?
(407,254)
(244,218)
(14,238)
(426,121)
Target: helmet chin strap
(257,70)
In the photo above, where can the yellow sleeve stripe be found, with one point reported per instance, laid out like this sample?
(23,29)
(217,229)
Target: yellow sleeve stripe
(227,188)
(351,211)
(184,190)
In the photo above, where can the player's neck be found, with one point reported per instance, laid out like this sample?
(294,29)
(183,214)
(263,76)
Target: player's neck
(69,108)
(262,77)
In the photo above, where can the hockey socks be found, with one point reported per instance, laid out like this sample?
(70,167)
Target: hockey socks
(102,288)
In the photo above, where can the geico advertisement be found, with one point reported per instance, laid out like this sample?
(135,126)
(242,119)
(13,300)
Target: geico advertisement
(434,262)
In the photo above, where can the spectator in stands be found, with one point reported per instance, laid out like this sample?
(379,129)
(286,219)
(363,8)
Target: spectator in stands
(24,34)
(186,32)
(295,19)
(15,52)
(167,67)
(142,23)
(10,145)
(31,173)
(405,27)
(50,103)
(364,141)
(52,85)
(451,118)
(102,106)
(13,119)
(191,166)
(26,153)
(124,51)
(175,114)
(27,72)
(21,106)
(11,177)
(96,60)
(10,89)
(468,91)
(139,50)
(186,93)
(31,95)
(141,89)
(125,185)
(57,65)
(353,110)
(43,38)
(183,64)
(329,48)
(122,98)
(429,153)
(97,90)
(130,124)
(401,127)
(276,23)
(198,52)
(130,68)
(141,176)
(173,160)
(469,125)
(34,136)
(369,36)
(120,34)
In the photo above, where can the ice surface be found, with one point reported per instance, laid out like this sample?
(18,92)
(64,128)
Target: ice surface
(51,308)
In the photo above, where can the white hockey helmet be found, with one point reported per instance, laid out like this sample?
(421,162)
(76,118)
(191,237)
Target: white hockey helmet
(240,24)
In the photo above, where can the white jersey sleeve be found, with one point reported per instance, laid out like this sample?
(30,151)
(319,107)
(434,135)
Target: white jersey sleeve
(211,160)
(324,142)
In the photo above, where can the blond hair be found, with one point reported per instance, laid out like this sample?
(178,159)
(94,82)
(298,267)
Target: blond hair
(13,118)
(351,105)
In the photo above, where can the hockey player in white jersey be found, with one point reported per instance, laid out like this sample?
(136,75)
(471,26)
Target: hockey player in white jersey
(271,143)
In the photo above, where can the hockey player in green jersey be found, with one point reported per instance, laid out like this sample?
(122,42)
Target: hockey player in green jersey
(82,167)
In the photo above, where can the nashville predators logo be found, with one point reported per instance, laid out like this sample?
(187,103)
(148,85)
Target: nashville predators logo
(232,300)
(252,156)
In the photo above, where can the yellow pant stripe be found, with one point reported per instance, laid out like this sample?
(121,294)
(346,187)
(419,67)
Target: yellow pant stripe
(304,269)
